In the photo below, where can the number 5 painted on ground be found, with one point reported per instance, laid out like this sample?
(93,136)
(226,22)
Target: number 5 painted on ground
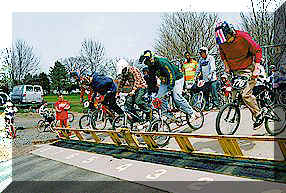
(72,155)
(89,160)
(156,175)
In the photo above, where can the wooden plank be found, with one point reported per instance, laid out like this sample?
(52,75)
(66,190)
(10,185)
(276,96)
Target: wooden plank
(95,137)
(79,136)
(184,144)
(115,138)
(130,139)
(282,145)
(150,142)
(230,147)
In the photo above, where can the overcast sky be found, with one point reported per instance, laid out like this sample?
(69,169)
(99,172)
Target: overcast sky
(125,29)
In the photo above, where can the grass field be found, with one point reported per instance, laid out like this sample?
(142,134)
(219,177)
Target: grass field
(74,100)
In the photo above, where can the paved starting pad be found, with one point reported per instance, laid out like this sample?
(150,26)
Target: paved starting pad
(169,178)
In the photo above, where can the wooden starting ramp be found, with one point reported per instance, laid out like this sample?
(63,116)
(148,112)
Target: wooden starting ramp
(182,142)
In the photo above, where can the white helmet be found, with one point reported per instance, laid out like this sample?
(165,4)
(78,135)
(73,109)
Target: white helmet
(224,76)
(121,64)
(205,49)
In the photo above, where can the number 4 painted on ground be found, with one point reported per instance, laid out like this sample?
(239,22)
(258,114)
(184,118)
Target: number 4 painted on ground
(123,167)
(156,175)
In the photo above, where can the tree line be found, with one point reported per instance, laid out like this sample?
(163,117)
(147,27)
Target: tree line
(177,33)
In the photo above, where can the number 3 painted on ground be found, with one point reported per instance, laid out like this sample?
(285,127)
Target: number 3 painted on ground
(157,174)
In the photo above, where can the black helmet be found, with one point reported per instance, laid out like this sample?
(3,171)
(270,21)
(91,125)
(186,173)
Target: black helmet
(147,55)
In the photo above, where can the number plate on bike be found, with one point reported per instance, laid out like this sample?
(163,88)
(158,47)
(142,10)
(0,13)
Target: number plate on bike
(239,82)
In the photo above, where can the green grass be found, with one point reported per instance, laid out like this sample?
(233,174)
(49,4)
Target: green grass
(74,100)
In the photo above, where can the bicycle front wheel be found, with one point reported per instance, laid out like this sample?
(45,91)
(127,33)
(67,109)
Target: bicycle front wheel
(228,119)
(275,122)
(198,121)
(282,97)
(160,126)
(41,126)
(85,122)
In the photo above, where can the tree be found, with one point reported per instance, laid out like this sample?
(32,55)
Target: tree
(260,24)
(181,31)
(20,60)
(44,82)
(92,54)
(59,77)
(280,34)
(76,63)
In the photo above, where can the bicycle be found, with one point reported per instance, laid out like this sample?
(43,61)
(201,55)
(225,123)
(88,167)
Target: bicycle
(137,116)
(230,113)
(195,96)
(100,116)
(48,123)
(181,116)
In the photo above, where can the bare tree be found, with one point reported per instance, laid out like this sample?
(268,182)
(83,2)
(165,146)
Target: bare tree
(280,34)
(92,54)
(74,64)
(260,24)
(183,31)
(20,60)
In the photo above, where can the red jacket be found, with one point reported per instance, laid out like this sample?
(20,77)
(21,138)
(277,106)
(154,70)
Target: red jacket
(62,108)
(241,52)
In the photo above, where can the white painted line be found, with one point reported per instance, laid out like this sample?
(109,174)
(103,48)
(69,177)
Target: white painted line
(5,183)
(142,172)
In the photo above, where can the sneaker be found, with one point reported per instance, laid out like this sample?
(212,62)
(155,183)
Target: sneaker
(258,122)
(192,117)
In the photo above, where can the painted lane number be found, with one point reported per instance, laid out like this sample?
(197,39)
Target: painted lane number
(156,174)
(123,167)
(89,160)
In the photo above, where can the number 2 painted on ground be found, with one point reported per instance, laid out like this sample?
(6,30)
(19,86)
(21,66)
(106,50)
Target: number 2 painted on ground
(156,175)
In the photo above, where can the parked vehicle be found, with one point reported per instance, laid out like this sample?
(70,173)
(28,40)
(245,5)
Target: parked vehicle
(27,94)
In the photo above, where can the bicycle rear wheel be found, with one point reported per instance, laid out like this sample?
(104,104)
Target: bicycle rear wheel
(228,119)
(275,122)
(41,126)
(160,126)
